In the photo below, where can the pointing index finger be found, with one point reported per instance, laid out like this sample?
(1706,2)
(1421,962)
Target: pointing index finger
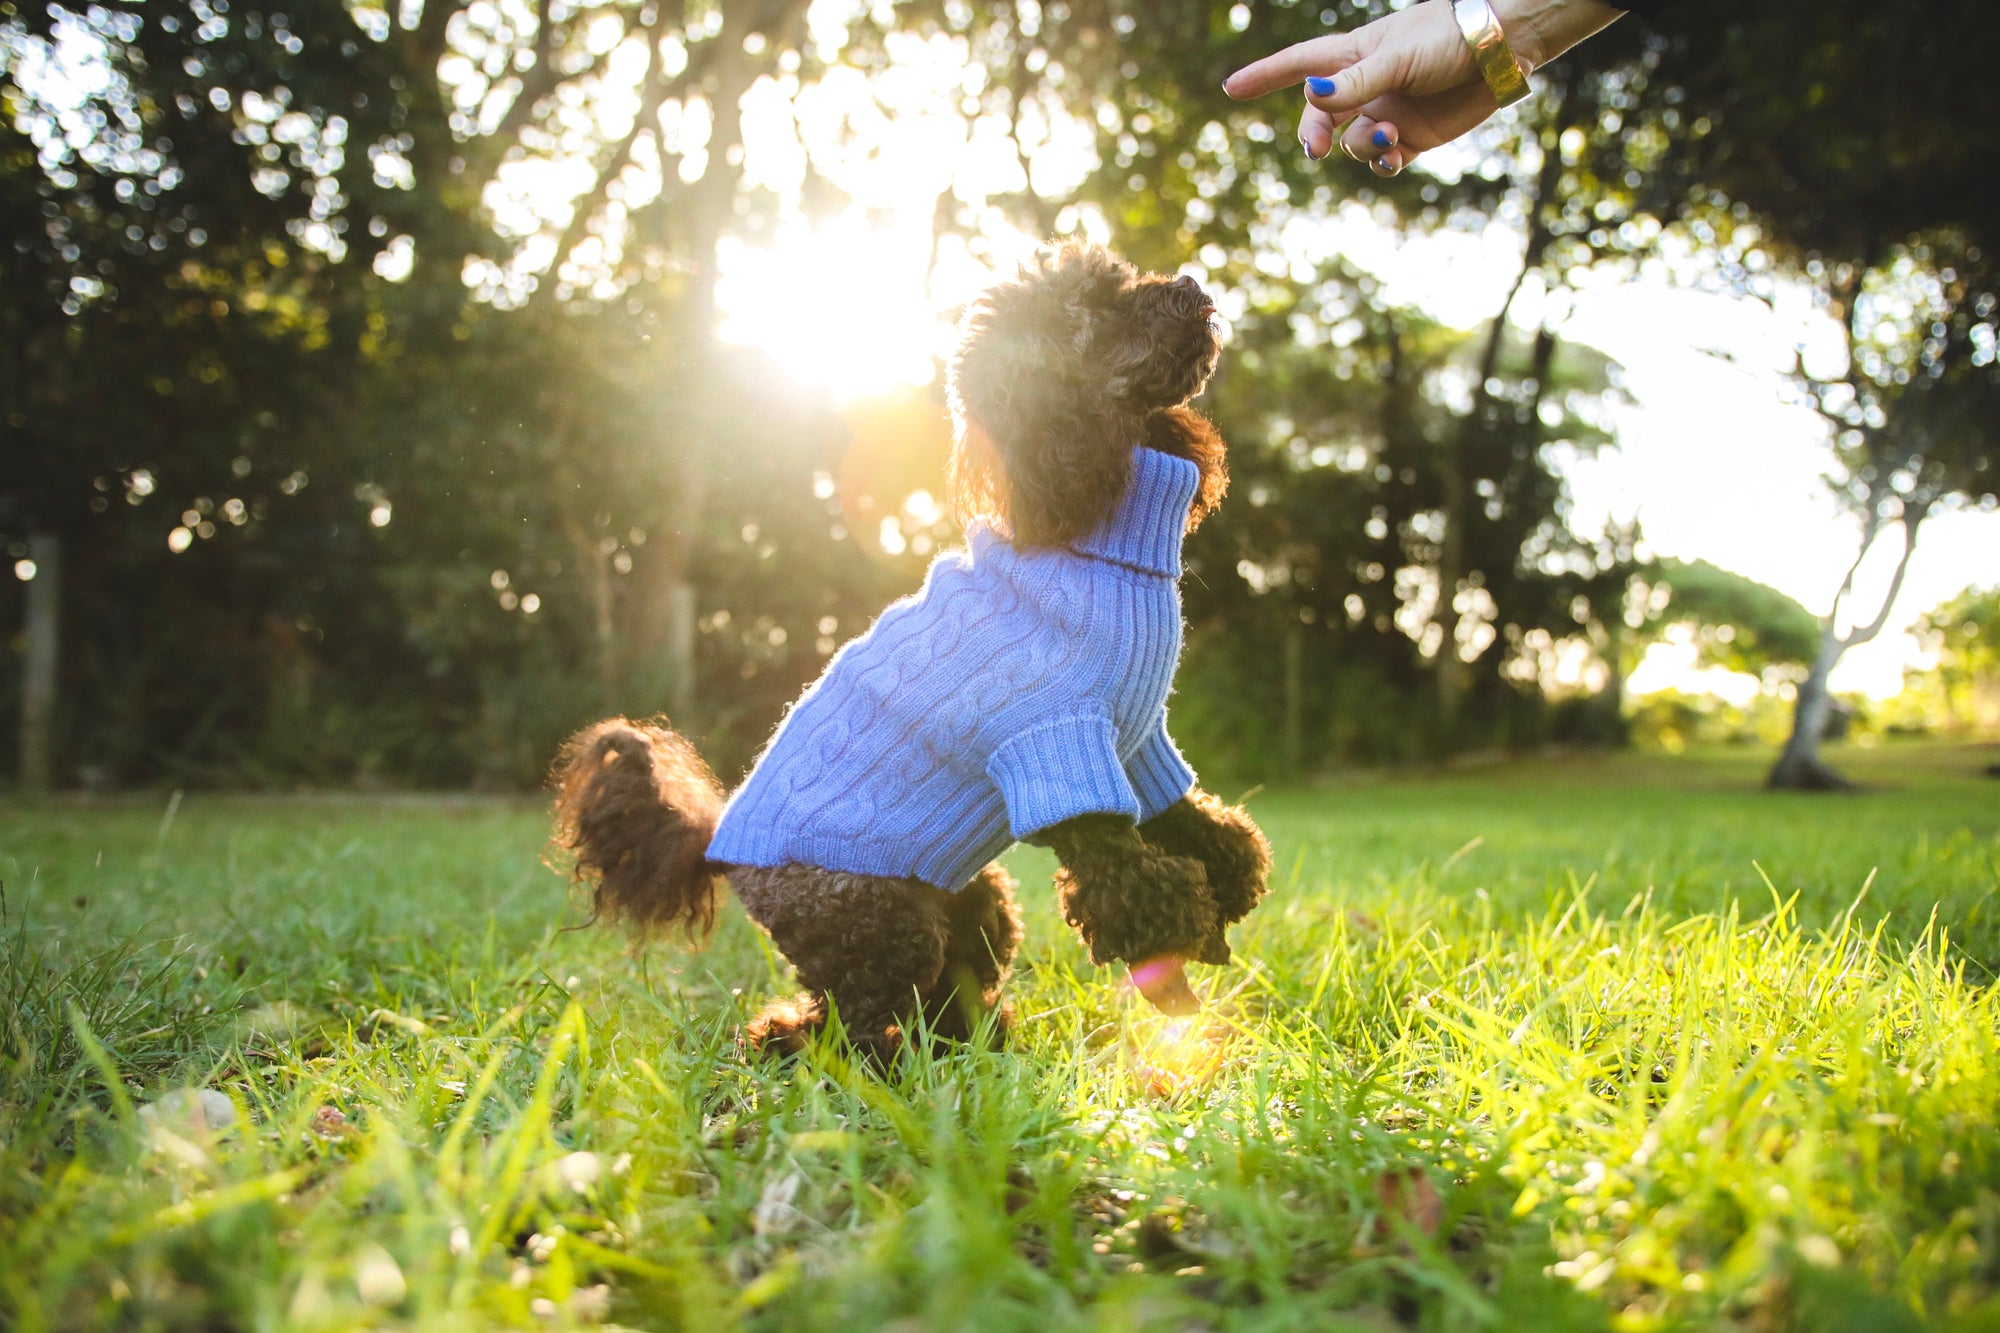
(1281,69)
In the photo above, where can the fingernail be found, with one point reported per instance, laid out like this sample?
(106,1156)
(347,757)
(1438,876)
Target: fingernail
(1320,87)
(1308,148)
(1381,138)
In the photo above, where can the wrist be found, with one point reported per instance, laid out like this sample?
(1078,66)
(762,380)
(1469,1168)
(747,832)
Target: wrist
(1540,30)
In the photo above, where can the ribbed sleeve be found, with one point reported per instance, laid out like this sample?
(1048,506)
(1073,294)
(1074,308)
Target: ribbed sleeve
(1159,775)
(1060,770)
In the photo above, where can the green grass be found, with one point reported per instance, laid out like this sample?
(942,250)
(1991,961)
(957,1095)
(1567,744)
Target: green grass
(1669,1051)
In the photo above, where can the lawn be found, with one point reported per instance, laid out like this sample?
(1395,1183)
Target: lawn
(1606,1042)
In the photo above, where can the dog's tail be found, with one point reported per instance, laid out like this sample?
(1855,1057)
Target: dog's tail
(636,807)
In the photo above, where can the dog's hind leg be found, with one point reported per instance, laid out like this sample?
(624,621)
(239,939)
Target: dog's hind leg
(985,933)
(871,945)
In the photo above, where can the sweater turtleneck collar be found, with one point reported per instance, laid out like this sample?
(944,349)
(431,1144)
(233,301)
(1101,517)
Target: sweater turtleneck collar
(1145,531)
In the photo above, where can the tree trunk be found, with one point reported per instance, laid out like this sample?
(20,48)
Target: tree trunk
(1451,668)
(680,648)
(595,561)
(1799,767)
(38,688)
(1295,699)
(1452,672)
(665,595)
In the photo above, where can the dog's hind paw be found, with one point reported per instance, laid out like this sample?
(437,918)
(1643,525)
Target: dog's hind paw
(785,1026)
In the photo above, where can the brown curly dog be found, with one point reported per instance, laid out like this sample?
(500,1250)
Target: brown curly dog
(1063,377)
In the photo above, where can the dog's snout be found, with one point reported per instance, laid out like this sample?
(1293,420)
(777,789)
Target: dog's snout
(1188,299)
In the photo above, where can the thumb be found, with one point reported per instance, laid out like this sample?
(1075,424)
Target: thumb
(1343,94)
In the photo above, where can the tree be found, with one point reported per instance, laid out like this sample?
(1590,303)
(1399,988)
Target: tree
(1881,200)
(1739,624)
(1917,416)
(170,302)
(1964,637)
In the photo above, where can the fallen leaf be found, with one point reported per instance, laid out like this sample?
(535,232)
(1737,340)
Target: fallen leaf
(277,1020)
(381,1018)
(330,1122)
(378,1278)
(1408,1198)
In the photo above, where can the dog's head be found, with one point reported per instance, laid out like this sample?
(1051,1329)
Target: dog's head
(1059,373)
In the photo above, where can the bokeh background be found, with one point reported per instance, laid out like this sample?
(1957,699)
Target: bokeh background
(385,391)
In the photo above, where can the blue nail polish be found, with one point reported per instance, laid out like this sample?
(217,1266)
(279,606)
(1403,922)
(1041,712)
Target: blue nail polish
(1381,138)
(1321,87)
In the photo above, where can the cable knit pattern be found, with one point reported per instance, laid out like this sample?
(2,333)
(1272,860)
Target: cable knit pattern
(1015,690)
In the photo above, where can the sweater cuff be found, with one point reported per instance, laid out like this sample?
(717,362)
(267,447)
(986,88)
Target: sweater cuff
(1060,770)
(1159,775)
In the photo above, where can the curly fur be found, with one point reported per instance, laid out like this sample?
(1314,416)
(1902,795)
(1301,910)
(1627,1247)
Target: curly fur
(881,950)
(1131,901)
(984,933)
(636,808)
(1059,373)
(1227,842)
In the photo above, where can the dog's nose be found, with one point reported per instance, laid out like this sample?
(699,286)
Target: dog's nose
(1190,298)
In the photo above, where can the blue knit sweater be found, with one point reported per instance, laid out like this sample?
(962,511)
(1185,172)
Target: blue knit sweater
(1016,689)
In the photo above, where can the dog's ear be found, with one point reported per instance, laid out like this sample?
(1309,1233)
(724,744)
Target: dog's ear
(1186,433)
(1042,449)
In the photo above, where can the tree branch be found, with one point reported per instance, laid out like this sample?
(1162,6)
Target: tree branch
(1540,231)
(1913,518)
(539,81)
(593,200)
(1871,528)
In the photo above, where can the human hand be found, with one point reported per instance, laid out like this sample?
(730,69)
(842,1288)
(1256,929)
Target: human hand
(1407,83)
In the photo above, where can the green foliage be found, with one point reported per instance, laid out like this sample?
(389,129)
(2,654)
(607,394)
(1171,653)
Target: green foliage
(1964,637)
(1671,721)
(199,349)
(1638,1078)
(1739,623)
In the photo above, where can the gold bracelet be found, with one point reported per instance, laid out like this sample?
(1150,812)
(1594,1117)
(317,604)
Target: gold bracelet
(1490,51)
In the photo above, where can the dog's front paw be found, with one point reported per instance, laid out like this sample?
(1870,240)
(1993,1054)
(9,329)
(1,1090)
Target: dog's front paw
(1226,840)
(1130,909)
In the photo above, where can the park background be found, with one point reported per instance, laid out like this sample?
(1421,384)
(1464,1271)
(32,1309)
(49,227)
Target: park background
(387,393)
(384,391)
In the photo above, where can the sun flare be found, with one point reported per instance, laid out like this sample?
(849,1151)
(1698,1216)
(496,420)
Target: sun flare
(845,306)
